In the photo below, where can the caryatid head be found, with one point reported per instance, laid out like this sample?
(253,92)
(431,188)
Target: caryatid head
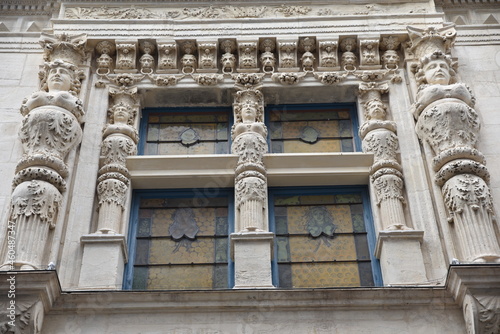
(60,76)
(436,69)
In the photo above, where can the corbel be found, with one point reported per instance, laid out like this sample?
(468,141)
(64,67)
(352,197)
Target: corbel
(247,54)
(328,54)
(126,55)
(167,57)
(369,52)
(207,57)
(287,49)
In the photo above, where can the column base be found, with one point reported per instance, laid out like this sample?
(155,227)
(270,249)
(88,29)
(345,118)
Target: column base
(104,258)
(252,254)
(401,257)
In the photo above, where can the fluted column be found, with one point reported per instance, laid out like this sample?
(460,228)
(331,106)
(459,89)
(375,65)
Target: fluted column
(51,128)
(447,121)
(398,245)
(252,241)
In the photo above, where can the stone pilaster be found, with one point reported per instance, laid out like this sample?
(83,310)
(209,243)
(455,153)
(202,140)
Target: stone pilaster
(252,229)
(448,123)
(398,246)
(51,128)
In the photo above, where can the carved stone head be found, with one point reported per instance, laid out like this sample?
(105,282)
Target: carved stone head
(436,69)
(228,61)
(348,60)
(390,59)
(249,108)
(375,109)
(60,76)
(188,62)
(268,61)
(147,63)
(121,113)
(307,60)
(104,62)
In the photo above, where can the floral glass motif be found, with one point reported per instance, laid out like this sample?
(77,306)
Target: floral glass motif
(296,129)
(174,133)
(181,244)
(321,241)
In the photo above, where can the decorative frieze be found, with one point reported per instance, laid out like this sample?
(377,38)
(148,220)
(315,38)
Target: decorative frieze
(51,128)
(447,122)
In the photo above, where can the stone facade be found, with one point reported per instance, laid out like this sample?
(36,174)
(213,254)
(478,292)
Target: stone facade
(79,76)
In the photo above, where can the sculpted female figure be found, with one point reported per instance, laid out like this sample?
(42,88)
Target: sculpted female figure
(249,133)
(447,121)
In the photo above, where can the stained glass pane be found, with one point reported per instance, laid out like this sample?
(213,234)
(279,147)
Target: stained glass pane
(204,132)
(185,239)
(296,130)
(311,275)
(321,241)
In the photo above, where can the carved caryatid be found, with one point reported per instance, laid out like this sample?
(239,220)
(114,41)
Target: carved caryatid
(447,121)
(119,141)
(249,142)
(51,128)
(379,137)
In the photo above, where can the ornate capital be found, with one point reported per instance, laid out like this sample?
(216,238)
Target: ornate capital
(64,47)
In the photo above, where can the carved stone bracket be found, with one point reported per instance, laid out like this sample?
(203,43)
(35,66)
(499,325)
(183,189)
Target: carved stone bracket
(477,289)
(369,51)
(126,54)
(167,56)
(288,61)
(328,54)
(247,54)
(207,62)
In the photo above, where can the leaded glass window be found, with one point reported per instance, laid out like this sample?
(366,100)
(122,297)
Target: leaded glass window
(186,131)
(312,128)
(181,243)
(322,240)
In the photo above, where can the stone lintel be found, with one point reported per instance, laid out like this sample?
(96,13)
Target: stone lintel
(32,285)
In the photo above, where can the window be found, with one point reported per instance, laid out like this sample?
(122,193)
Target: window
(324,238)
(182,131)
(293,128)
(312,128)
(179,240)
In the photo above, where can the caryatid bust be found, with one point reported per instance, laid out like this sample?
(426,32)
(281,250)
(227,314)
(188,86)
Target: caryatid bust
(435,69)
(375,109)
(390,59)
(249,116)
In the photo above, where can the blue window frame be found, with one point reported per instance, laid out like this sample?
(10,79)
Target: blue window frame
(324,237)
(178,239)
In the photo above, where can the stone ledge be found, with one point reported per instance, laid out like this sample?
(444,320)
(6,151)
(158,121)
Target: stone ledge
(34,284)
(473,278)
(181,171)
(396,234)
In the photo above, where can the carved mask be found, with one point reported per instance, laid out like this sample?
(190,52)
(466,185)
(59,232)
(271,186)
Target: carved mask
(59,79)
(437,72)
